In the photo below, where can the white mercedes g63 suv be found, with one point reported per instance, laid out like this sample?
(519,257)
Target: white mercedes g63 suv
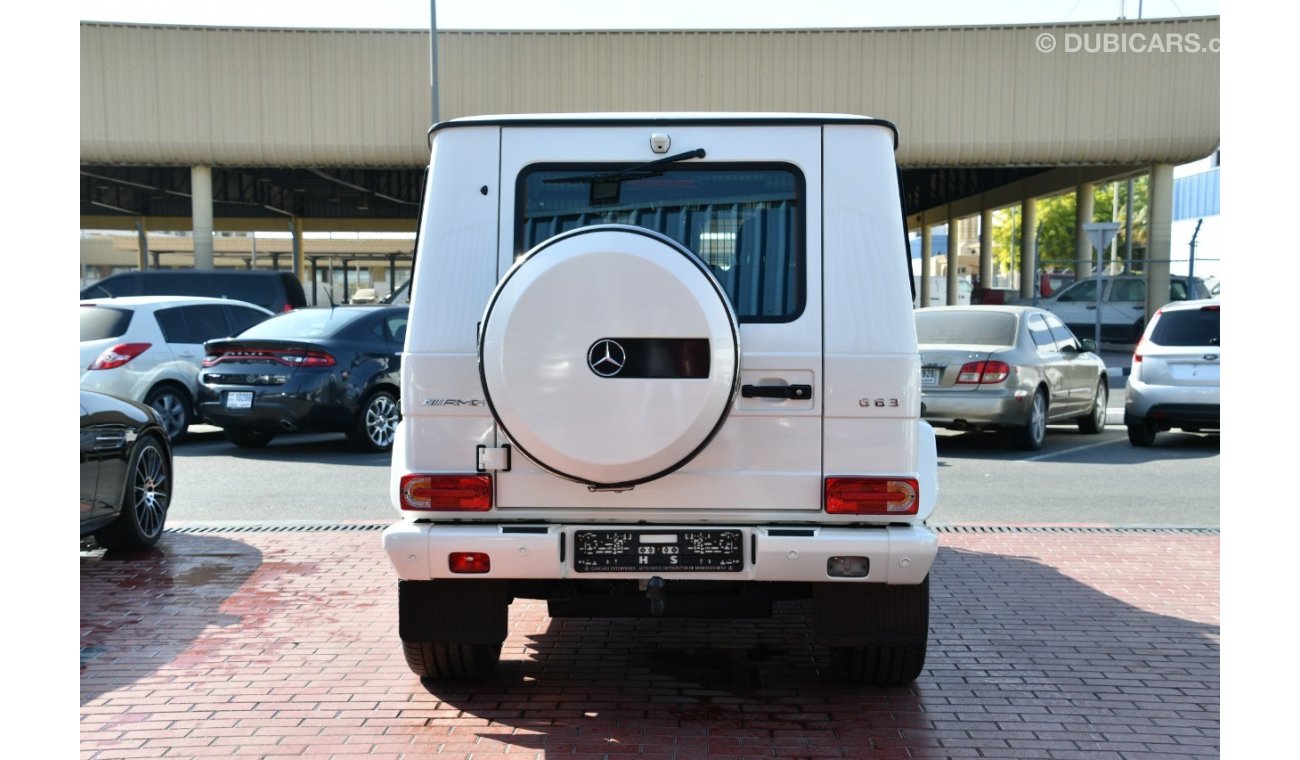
(663,365)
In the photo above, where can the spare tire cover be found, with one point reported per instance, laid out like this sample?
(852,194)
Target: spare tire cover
(609,355)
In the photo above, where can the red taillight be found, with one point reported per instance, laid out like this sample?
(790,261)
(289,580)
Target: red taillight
(469,562)
(287,308)
(118,355)
(1137,352)
(447,493)
(1212,307)
(983,372)
(287,358)
(871,496)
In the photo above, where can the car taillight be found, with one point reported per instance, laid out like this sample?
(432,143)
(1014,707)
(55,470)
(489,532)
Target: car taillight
(118,355)
(287,308)
(446,493)
(287,358)
(1211,307)
(871,496)
(469,562)
(983,372)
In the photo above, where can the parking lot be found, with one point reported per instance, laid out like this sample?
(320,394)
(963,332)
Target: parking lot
(1051,643)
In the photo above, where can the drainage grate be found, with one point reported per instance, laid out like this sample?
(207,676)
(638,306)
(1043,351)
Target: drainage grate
(985,529)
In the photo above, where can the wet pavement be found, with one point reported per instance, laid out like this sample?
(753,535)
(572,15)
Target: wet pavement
(1044,643)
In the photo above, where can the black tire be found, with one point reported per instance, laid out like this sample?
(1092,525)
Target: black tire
(1095,420)
(1142,433)
(1030,436)
(145,499)
(456,662)
(376,424)
(248,438)
(879,665)
(174,409)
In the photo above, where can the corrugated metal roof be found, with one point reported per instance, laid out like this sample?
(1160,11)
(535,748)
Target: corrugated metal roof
(966,96)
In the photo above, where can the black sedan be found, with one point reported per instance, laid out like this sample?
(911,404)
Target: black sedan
(126,472)
(310,370)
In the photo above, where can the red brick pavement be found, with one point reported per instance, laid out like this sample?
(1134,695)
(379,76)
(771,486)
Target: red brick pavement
(1043,645)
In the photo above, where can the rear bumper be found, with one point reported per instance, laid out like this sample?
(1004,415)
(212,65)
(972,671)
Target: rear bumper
(1192,404)
(307,404)
(896,554)
(999,407)
(1177,415)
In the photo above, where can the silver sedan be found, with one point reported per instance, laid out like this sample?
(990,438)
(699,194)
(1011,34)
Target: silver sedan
(1013,368)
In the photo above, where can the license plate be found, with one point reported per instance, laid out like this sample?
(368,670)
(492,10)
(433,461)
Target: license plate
(631,551)
(929,376)
(239,400)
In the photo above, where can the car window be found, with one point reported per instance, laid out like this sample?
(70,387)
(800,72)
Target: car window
(113,286)
(161,283)
(396,326)
(258,290)
(193,324)
(241,318)
(1082,291)
(1187,328)
(743,221)
(1060,333)
(953,327)
(307,323)
(102,322)
(1128,289)
(1041,336)
(1177,290)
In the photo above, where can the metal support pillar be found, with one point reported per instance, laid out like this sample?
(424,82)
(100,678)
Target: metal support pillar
(1084,195)
(201,209)
(1028,248)
(923,287)
(954,256)
(1160,220)
(986,248)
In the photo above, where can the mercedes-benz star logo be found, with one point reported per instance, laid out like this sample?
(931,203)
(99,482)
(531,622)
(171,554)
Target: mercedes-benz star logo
(606,357)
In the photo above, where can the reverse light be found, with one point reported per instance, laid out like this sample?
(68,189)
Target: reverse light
(871,496)
(983,372)
(446,493)
(469,562)
(118,355)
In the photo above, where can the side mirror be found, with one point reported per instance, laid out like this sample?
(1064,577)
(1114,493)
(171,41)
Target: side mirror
(1089,345)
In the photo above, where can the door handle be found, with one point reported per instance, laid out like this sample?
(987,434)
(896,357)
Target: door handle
(799,392)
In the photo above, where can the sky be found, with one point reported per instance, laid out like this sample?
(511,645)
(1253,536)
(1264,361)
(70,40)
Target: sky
(628,14)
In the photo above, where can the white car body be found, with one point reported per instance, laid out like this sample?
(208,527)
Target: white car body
(939,291)
(1174,381)
(496,341)
(163,366)
(1122,304)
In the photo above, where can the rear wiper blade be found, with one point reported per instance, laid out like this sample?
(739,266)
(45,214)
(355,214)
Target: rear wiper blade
(638,171)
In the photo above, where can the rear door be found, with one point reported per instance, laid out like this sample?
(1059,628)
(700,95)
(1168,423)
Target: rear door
(1183,349)
(753,221)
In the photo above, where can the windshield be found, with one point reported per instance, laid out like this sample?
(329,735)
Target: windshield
(305,323)
(102,322)
(950,327)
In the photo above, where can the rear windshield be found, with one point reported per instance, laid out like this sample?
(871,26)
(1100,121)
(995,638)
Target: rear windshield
(102,322)
(1187,328)
(305,323)
(744,221)
(988,328)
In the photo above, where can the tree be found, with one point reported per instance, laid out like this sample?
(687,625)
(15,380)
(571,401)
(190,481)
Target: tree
(1056,241)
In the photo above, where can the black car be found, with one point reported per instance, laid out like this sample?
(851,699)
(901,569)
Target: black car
(311,370)
(276,290)
(126,472)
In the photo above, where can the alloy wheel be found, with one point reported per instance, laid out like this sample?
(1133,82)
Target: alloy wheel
(382,416)
(150,491)
(171,409)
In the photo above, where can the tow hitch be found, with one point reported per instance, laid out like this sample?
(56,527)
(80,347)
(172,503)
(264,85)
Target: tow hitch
(654,591)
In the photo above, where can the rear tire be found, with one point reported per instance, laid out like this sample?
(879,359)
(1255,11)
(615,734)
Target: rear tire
(1142,433)
(451,661)
(1095,420)
(1030,436)
(879,665)
(248,438)
(376,423)
(173,408)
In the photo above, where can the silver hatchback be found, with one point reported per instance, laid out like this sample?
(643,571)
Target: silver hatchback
(1014,368)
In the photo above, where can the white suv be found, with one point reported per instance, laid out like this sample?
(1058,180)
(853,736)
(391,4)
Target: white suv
(1174,382)
(663,364)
